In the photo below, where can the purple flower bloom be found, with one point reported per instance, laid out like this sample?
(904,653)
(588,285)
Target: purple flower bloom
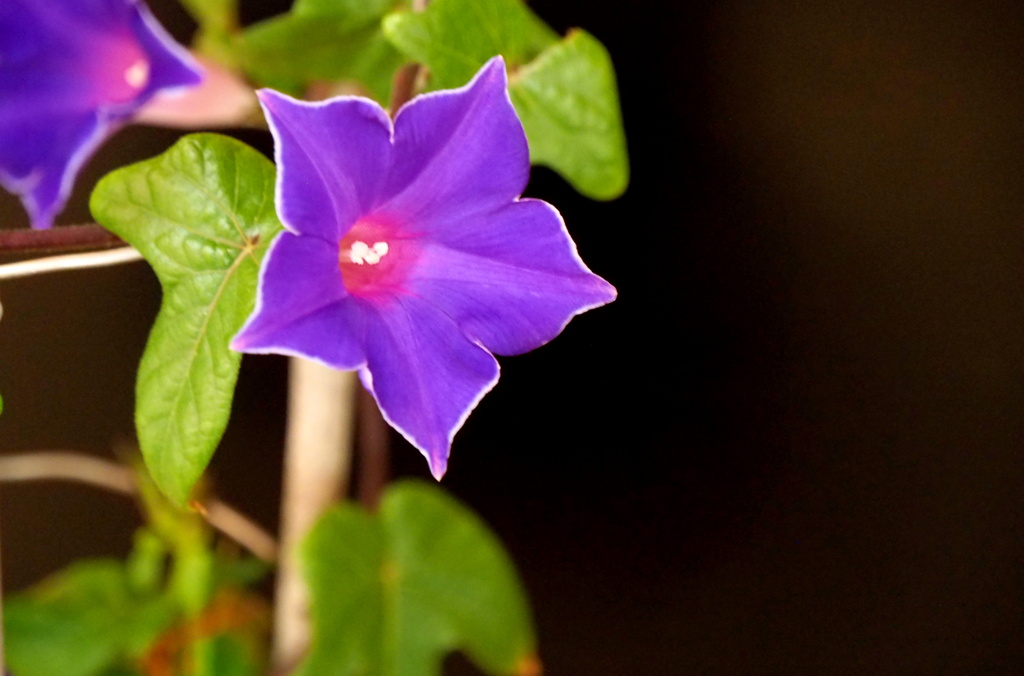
(408,253)
(71,73)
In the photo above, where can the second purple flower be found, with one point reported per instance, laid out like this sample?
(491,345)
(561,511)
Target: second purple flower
(71,73)
(409,254)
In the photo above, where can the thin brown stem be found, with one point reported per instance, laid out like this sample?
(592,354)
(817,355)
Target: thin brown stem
(403,87)
(117,478)
(374,456)
(56,240)
(3,650)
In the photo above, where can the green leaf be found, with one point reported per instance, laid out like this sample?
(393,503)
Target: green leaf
(455,37)
(565,92)
(392,594)
(203,215)
(218,29)
(220,16)
(230,657)
(84,621)
(324,40)
(356,10)
(569,104)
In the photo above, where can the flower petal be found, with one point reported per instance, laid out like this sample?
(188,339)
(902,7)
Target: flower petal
(171,67)
(425,374)
(39,160)
(511,279)
(457,151)
(30,45)
(302,308)
(332,158)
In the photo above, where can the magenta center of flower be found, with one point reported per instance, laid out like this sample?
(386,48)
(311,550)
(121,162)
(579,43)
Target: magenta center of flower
(371,259)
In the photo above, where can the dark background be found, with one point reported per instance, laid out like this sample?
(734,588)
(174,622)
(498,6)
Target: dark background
(792,446)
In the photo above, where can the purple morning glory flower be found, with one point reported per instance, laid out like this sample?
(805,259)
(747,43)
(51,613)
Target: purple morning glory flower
(408,254)
(71,73)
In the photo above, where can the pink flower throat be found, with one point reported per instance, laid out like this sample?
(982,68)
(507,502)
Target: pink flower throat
(372,260)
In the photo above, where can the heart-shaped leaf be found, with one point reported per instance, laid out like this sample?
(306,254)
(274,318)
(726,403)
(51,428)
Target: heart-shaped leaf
(564,91)
(324,40)
(202,214)
(393,593)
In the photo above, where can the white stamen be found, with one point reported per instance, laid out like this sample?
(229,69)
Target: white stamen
(361,254)
(137,74)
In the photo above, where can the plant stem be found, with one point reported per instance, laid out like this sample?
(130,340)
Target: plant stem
(318,456)
(3,651)
(374,459)
(64,238)
(403,86)
(93,259)
(117,478)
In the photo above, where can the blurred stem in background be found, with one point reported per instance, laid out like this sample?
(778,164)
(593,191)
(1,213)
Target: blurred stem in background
(318,458)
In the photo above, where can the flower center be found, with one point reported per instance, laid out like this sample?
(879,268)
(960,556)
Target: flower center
(362,254)
(137,74)
(372,259)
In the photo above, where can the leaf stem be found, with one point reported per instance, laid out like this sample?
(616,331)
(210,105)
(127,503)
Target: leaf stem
(318,458)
